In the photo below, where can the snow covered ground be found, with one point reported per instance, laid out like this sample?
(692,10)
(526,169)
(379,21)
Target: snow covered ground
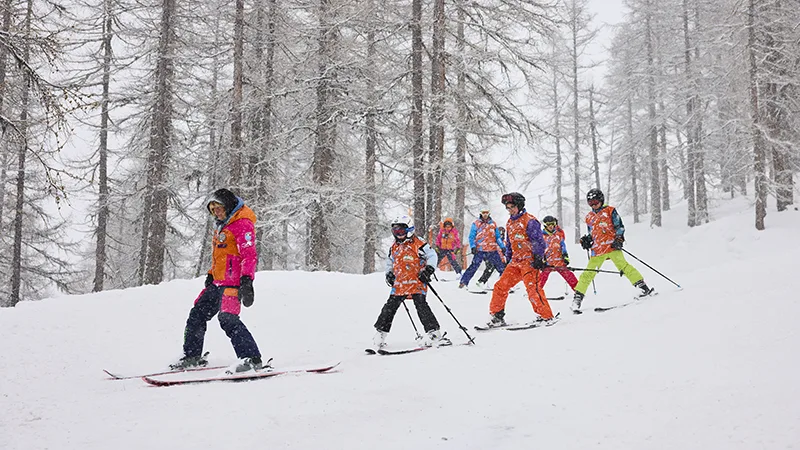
(712,366)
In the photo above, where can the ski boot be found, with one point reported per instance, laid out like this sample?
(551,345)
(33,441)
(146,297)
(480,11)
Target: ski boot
(189,362)
(436,338)
(577,299)
(248,364)
(497,319)
(646,291)
(380,339)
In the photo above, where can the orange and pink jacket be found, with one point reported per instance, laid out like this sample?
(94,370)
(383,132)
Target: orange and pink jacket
(448,239)
(235,247)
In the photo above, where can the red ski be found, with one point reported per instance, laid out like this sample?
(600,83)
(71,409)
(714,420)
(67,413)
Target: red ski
(169,380)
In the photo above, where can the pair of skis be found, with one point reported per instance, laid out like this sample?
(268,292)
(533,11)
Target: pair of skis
(197,375)
(521,326)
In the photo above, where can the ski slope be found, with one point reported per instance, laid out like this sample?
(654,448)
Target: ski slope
(712,366)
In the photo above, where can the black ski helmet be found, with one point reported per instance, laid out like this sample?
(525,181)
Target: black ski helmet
(515,198)
(224,197)
(549,219)
(596,194)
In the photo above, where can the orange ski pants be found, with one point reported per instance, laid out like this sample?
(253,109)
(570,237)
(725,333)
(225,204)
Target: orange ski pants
(514,273)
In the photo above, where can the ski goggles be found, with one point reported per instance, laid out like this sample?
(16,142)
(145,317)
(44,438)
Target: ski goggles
(399,230)
(507,198)
(594,203)
(550,224)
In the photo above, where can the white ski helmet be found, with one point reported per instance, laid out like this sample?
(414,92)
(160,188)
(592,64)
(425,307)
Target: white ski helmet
(404,220)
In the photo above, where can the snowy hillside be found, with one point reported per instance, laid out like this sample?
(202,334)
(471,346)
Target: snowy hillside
(712,366)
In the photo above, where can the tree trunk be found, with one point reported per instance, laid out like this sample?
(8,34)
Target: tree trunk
(699,154)
(593,130)
(322,165)
(161,147)
(436,143)
(103,210)
(559,157)
(4,150)
(417,152)
(370,197)
(663,160)
(691,100)
(461,133)
(265,170)
(237,159)
(759,158)
(22,153)
(576,163)
(655,187)
(632,153)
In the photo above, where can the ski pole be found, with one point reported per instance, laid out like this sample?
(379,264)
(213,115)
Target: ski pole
(471,339)
(651,268)
(588,257)
(412,320)
(595,270)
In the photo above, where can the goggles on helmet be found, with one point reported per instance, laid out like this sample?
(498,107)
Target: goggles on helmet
(400,230)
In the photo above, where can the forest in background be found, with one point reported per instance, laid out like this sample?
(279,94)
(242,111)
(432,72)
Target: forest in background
(325,114)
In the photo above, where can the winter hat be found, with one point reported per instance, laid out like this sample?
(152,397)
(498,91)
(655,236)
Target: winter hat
(224,197)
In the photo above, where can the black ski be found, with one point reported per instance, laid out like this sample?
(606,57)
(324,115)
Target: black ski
(550,299)
(609,308)
(652,293)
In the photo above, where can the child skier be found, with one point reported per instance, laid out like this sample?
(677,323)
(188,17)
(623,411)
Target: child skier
(229,284)
(605,238)
(556,253)
(409,267)
(484,240)
(525,255)
(448,243)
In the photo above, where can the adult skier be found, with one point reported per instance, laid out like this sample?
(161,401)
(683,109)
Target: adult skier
(605,239)
(228,285)
(484,240)
(525,255)
(409,267)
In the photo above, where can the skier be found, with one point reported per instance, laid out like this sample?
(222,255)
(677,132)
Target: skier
(409,267)
(605,239)
(489,269)
(484,240)
(229,284)
(525,255)
(448,243)
(556,253)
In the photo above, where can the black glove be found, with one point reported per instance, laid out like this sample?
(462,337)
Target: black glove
(390,278)
(586,242)
(246,294)
(617,244)
(566,259)
(538,262)
(426,273)
(474,250)
(209,280)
